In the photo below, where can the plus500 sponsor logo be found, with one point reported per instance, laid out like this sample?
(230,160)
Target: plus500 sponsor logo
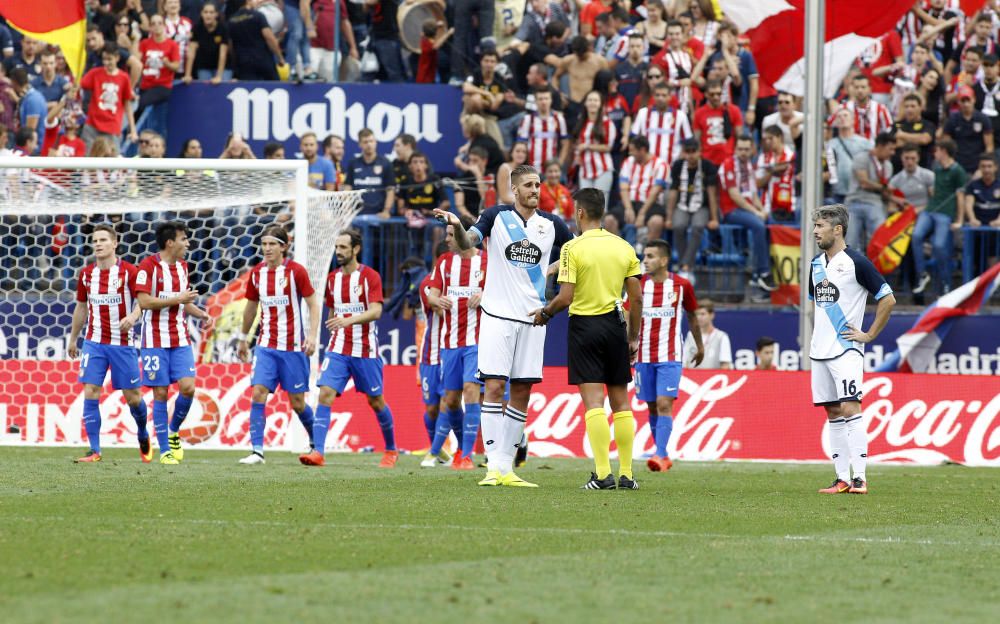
(263,114)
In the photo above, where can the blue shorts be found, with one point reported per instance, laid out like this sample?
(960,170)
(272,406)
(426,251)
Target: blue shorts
(366,372)
(459,367)
(656,380)
(430,383)
(122,360)
(289,368)
(162,367)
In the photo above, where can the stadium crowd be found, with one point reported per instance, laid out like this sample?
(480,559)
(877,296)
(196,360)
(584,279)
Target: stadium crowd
(656,102)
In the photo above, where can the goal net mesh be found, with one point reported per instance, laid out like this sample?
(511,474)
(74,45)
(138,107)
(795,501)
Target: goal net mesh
(48,208)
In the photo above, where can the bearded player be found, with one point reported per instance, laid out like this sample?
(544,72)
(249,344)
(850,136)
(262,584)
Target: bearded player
(354,302)
(523,244)
(840,281)
(164,291)
(105,298)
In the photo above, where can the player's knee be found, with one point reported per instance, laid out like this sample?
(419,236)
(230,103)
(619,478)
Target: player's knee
(433,411)
(298,402)
(377,403)
(132,396)
(470,393)
(260,394)
(833,411)
(452,400)
(327,395)
(160,393)
(91,391)
(664,406)
(186,387)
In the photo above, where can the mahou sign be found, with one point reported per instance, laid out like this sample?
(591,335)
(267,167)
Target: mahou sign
(762,415)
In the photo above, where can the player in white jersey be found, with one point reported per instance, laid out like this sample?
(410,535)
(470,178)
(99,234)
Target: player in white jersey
(840,281)
(523,245)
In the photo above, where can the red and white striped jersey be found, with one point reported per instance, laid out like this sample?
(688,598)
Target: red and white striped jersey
(351,294)
(180,31)
(593,164)
(737,174)
(868,121)
(279,291)
(678,67)
(110,295)
(430,351)
(542,134)
(665,130)
(641,178)
(165,328)
(660,336)
(459,279)
(779,193)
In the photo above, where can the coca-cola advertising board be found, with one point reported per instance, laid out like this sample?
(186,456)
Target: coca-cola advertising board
(741,415)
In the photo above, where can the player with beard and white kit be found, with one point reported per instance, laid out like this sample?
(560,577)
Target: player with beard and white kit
(523,245)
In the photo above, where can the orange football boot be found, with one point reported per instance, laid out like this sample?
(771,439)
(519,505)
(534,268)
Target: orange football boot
(389,459)
(312,458)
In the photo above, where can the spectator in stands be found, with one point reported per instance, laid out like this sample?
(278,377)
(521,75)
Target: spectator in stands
(987,93)
(111,94)
(28,59)
(740,205)
(717,125)
(321,173)
(385,39)
(236,148)
(161,59)
(664,126)
(484,13)
(372,172)
(6,44)
(912,129)
(483,94)
(616,109)
(677,62)
(936,220)
(504,189)
(629,73)
(474,129)
(913,182)
(418,199)
(765,352)
(842,149)
(8,103)
(589,14)
(520,56)
(879,61)
(96,45)
(333,148)
(931,92)
(614,45)
(970,129)
(972,71)
(870,117)
(653,77)
(435,34)
(25,141)
(299,30)
(274,151)
(32,109)
(718,350)
(788,119)
(979,206)
(208,51)
(129,28)
(326,62)
(49,83)
(692,204)
(776,175)
(403,147)
(507,18)
(177,26)
(67,143)
(254,45)
(554,197)
(538,79)
(544,132)
(581,66)
(869,190)
(595,139)
(641,182)
(192,149)
(475,191)
(540,13)
(741,69)
(654,28)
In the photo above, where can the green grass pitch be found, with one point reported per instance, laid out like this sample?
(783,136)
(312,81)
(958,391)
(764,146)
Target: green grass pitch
(213,541)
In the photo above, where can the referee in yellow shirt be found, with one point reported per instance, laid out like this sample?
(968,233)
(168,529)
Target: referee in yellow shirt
(594,268)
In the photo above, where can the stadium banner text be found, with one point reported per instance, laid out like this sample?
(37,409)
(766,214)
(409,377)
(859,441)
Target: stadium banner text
(925,419)
(266,111)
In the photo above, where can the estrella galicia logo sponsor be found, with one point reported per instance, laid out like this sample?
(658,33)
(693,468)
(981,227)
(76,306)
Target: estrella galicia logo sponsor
(826,293)
(523,254)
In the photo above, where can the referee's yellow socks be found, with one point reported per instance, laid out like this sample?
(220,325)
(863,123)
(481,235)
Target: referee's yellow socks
(624,437)
(599,434)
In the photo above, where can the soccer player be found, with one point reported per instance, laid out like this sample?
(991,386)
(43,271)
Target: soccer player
(163,289)
(437,423)
(105,294)
(278,285)
(523,243)
(456,292)
(660,358)
(840,280)
(354,301)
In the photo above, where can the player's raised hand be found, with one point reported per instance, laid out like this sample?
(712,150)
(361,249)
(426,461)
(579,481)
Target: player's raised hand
(446,217)
(854,334)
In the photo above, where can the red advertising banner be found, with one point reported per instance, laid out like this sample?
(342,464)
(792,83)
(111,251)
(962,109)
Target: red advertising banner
(746,415)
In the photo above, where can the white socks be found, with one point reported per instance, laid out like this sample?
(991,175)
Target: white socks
(512,429)
(491,426)
(857,440)
(839,449)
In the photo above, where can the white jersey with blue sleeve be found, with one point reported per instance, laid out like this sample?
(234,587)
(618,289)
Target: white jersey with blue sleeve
(840,287)
(520,252)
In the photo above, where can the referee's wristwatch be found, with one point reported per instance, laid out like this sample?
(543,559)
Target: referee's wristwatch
(545,315)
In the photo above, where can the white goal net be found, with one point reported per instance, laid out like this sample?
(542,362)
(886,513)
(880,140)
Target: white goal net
(48,208)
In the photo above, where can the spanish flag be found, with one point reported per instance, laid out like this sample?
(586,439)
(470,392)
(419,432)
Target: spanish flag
(59,22)
(786,258)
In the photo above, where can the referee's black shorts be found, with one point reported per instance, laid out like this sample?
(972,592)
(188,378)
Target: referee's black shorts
(598,350)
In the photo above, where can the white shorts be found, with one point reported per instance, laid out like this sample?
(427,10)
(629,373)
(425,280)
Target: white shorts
(510,350)
(838,380)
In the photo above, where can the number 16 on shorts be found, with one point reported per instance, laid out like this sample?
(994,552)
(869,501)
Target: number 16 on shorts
(839,379)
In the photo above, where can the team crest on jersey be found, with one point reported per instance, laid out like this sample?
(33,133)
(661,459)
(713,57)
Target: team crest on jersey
(357,289)
(523,254)
(282,282)
(826,294)
(977,127)
(114,283)
(151,375)
(428,188)
(478,276)
(996,193)
(377,169)
(671,296)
